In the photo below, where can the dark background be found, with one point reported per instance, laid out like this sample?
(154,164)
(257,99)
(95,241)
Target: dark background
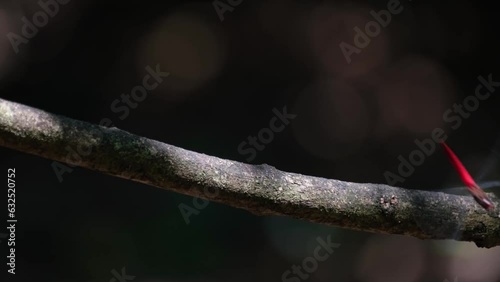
(353,121)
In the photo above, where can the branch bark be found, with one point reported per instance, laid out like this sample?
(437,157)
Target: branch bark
(260,189)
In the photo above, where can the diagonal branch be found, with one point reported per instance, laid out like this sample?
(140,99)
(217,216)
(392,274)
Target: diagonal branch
(260,189)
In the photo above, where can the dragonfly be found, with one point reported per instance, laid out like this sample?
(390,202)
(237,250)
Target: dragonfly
(476,191)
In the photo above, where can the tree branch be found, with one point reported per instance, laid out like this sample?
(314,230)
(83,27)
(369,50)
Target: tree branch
(260,189)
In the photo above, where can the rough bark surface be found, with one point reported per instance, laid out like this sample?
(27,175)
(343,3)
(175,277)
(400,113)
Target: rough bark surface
(260,189)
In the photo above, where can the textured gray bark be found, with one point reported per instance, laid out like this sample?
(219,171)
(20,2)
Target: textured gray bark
(260,189)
